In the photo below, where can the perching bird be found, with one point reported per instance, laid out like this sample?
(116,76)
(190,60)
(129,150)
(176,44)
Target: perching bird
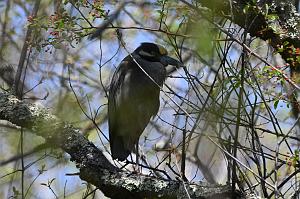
(134,96)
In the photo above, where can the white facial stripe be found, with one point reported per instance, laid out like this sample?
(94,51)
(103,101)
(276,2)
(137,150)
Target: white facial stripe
(144,53)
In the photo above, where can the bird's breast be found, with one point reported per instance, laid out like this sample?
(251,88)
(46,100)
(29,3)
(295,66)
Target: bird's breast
(155,70)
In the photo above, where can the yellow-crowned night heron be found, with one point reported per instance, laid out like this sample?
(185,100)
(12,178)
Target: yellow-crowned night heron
(134,96)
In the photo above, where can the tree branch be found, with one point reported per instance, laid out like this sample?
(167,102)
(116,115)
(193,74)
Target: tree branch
(94,167)
(18,86)
(275,21)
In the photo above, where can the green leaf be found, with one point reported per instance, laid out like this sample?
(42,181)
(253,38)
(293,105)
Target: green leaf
(272,17)
(276,103)
(246,8)
(16,191)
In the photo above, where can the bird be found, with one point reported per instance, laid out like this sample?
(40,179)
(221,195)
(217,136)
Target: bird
(134,96)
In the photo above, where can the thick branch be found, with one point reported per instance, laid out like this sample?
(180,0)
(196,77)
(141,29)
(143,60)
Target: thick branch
(94,167)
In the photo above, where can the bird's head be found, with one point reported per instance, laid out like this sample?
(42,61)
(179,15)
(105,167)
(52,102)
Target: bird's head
(156,53)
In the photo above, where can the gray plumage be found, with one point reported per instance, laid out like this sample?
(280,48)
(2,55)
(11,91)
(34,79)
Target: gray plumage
(134,97)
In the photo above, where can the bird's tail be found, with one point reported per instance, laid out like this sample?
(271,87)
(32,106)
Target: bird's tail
(118,149)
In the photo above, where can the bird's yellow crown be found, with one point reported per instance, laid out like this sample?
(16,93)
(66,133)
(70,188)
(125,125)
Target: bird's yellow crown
(162,50)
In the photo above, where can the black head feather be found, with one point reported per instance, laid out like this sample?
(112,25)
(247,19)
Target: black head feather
(150,51)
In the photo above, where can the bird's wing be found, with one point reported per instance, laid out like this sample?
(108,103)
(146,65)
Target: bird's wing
(132,102)
(118,149)
(120,112)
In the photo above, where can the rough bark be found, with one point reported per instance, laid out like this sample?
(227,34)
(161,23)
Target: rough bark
(94,167)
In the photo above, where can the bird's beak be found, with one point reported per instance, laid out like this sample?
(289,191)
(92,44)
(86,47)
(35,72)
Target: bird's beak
(166,60)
